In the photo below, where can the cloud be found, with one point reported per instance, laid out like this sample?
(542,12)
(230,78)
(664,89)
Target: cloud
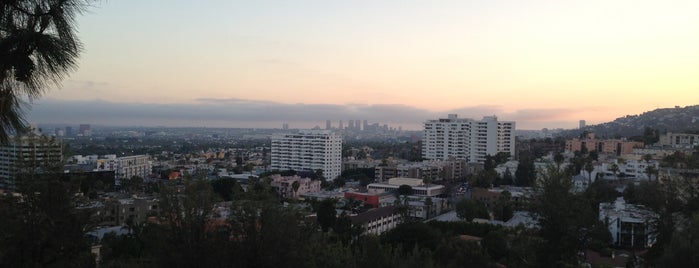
(234,112)
(85,85)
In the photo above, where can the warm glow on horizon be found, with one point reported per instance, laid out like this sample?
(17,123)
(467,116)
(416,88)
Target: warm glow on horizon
(592,60)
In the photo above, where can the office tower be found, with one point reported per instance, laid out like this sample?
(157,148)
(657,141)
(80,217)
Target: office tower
(308,150)
(29,155)
(85,130)
(365,125)
(328,125)
(350,124)
(582,124)
(285,126)
(467,139)
(341,126)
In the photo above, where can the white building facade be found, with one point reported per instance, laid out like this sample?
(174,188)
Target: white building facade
(308,150)
(630,225)
(465,138)
(125,167)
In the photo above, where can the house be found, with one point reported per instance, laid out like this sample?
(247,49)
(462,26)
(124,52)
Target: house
(286,189)
(378,221)
(630,225)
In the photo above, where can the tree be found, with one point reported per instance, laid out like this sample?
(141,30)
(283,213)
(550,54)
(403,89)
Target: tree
(589,167)
(428,204)
(295,185)
(507,178)
(326,214)
(650,171)
(564,219)
(683,249)
(404,190)
(184,238)
(455,252)
(526,172)
(615,169)
(469,209)
(226,188)
(38,47)
(558,159)
(485,178)
(503,209)
(43,229)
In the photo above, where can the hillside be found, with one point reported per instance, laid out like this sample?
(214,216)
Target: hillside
(678,119)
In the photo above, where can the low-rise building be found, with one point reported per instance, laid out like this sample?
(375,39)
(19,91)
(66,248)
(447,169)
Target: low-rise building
(369,199)
(417,185)
(118,211)
(378,221)
(285,185)
(418,207)
(433,170)
(610,146)
(630,225)
(679,140)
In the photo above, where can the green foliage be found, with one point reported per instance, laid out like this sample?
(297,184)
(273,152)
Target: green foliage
(455,252)
(507,178)
(38,47)
(503,209)
(526,172)
(410,235)
(226,188)
(564,219)
(681,160)
(469,209)
(683,249)
(485,178)
(600,191)
(326,214)
(42,229)
(404,190)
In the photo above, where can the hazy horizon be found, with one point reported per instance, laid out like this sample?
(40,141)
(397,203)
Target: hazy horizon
(251,114)
(540,63)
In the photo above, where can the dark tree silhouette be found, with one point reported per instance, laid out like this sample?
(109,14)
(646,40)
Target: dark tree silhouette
(38,47)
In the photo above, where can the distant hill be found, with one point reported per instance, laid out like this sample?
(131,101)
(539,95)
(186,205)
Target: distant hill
(678,119)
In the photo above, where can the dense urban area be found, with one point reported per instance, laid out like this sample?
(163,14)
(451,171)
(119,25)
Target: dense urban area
(462,192)
(458,192)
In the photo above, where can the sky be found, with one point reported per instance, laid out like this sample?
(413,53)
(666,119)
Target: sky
(260,63)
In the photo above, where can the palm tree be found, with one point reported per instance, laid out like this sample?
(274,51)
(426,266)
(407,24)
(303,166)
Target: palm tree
(589,167)
(650,171)
(615,169)
(38,47)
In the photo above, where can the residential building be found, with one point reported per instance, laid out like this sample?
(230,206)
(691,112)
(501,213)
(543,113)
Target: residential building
(125,167)
(31,154)
(419,188)
(418,207)
(285,185)
(467,139)
(119,211)
(308,150)
(630,225)
(378,221)
(608,146)
(370,199)
(679,140)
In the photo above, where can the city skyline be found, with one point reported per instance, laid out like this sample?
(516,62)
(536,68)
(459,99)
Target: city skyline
(542,64)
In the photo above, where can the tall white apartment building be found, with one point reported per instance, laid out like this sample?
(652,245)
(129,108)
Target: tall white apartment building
(31,154)
(465,138)
(308,150)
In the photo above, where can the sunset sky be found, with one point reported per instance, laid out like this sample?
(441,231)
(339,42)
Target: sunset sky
(540,63)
